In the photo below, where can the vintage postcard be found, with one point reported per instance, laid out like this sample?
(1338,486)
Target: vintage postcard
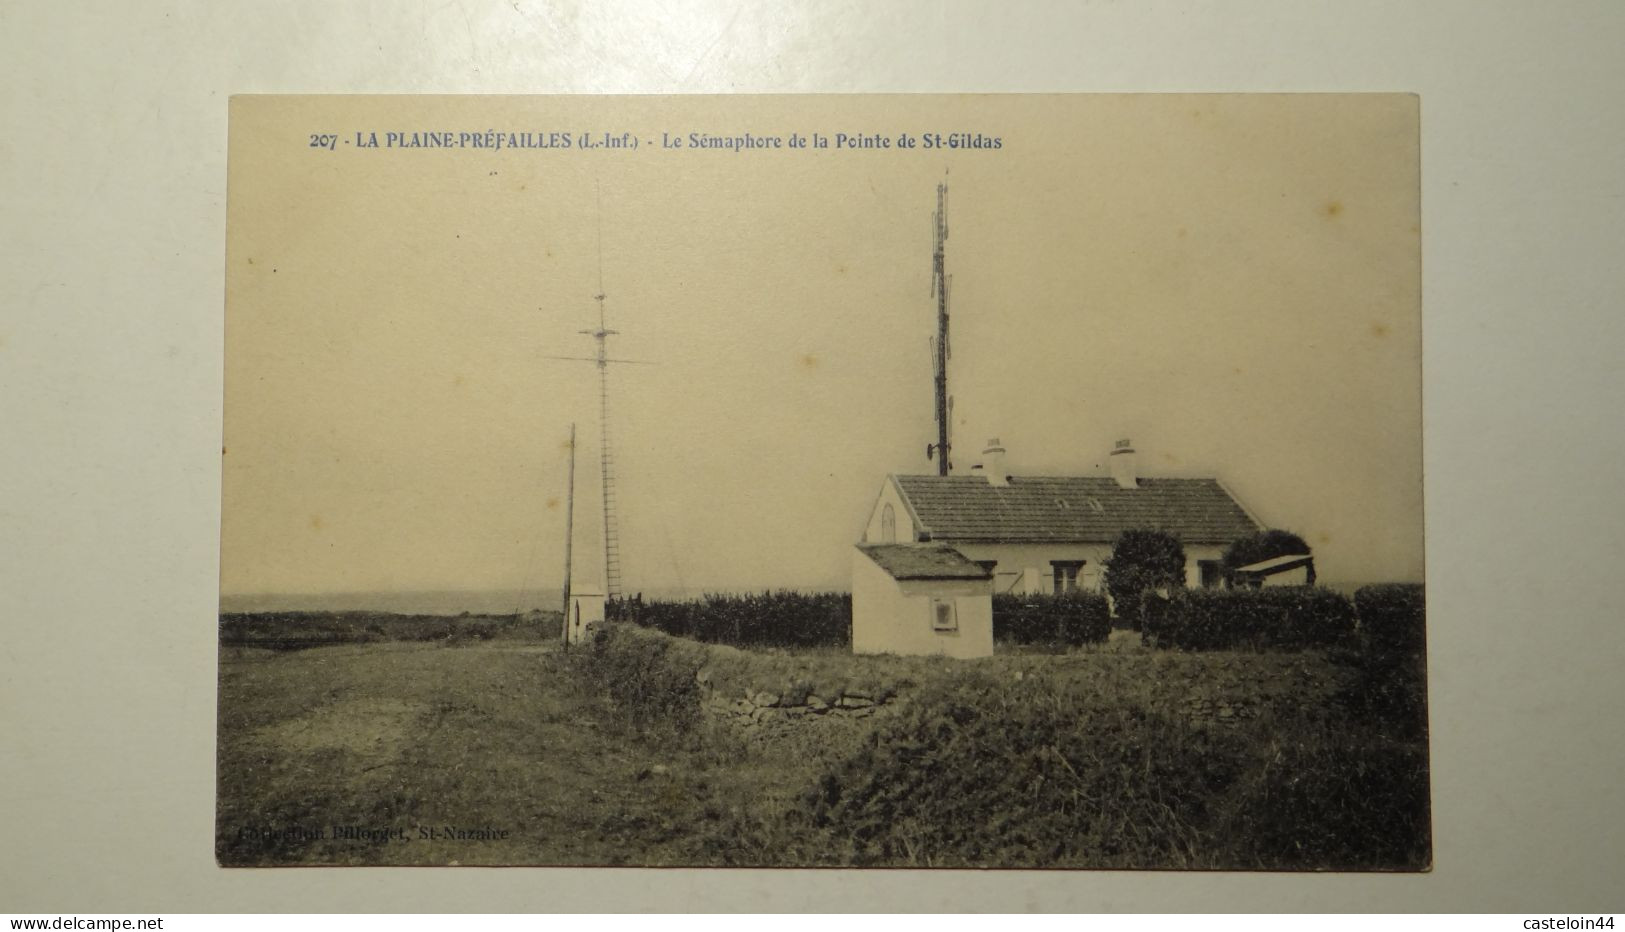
(828,481)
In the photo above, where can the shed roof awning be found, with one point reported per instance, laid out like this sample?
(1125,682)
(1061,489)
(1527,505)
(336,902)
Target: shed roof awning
(1277,564)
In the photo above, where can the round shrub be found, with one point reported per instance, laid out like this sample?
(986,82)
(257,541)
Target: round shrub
(1142,559)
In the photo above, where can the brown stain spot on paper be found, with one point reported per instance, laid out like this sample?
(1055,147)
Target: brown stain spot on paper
(1379,330)
(459,381)
(809,361)
(1333,209)
(553,503)
(316,523)
(1323,538)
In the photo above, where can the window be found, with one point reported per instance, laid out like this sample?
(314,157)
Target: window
(1210,573)
(943,617)
(1066,574)
(888,525)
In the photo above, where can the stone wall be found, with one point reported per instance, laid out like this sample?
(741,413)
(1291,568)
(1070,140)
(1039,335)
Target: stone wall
(812,698)
(769,709)
(773,690)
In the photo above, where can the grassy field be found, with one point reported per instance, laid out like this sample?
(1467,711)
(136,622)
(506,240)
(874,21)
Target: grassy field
(426,742)
(499,749)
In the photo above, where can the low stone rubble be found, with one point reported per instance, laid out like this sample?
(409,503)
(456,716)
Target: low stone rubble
(762,708)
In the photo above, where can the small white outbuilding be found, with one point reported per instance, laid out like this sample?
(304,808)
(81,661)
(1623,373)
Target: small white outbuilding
(920,599)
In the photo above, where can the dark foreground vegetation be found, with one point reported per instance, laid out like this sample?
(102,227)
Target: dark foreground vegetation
(1105,756)
(1121,759)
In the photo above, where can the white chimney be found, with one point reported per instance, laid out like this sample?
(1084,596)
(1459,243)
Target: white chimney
(1123,465)
(993,463)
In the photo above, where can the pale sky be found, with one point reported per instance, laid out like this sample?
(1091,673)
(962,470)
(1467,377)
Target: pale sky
(1231,281)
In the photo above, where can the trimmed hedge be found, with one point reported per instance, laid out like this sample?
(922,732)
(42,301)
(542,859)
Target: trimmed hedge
(1393,666)
(1393,616)
(767,619)
(1284,617)
(1067,620)
(824,619)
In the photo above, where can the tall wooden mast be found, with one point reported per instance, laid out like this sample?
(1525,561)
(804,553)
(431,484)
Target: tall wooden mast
(940,352)
(569,535)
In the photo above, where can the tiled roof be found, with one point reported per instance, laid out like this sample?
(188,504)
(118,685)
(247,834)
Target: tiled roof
(923,561)
(1084,509)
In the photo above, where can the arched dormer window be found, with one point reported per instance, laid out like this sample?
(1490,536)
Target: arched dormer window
(888,525)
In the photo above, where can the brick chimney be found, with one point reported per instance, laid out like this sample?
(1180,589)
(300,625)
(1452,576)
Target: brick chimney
(1124,468)
(993,463)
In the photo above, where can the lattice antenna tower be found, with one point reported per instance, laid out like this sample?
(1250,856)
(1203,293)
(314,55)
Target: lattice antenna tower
(606,456)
